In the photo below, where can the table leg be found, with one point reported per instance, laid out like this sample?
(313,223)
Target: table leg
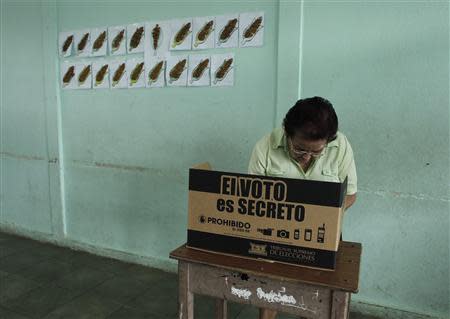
(340,304)
(185,296)
(348,307)
(221,309)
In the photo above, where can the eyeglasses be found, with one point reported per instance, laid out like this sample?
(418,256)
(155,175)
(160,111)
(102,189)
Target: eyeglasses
(298,152)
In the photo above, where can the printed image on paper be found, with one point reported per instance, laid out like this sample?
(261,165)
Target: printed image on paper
(136,73)
(100,75)
(68,79)
(222,70)
(203,33)
(157,38)
(181,38)
(118,75)
(117,40)
(84,75)
(135,35)
(199,66)
(155,67)
(99,38)
(66,40)
(82,43)
(176,70)
(251,29)
(227,31)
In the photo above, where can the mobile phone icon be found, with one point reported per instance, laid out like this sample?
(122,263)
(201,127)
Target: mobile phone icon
(308,234)
(321,234)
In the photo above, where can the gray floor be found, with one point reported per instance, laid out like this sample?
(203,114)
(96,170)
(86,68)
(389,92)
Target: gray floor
(44,281)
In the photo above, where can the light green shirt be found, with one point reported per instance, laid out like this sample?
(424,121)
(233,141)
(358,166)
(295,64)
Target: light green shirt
(271,157)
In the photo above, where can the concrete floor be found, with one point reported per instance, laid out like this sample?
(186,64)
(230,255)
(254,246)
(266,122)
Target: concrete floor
(44,281)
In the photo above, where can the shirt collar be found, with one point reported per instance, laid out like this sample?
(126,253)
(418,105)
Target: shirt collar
(277,138)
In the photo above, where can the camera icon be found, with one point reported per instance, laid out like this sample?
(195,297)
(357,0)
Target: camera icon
(282,233)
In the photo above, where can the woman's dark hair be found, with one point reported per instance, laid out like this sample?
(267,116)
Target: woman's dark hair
(313,117)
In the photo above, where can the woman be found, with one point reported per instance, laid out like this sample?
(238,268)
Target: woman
(309,146)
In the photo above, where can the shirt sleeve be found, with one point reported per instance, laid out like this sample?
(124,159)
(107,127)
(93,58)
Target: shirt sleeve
(257,164)
(347,168)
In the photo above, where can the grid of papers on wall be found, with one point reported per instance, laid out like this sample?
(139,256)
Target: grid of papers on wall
(157,54)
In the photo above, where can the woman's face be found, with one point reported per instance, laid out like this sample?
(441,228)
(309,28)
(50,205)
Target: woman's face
(303,150)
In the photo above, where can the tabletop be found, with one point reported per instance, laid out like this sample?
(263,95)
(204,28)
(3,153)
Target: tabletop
(345,277)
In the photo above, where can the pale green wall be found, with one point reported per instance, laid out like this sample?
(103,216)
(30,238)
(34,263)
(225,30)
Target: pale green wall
(386,67)
(123,156)
(25,134)
(164,132)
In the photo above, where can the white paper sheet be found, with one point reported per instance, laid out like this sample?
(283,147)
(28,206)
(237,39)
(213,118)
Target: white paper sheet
(251,29)
(63,37)
(177,76)
(221,75)
(199,66)
(82,43)
(203,33)
(67,75)
(181,34)
(84,75)
(154,71)
(227,34)
(157,38)
(118,74)
(99,38)
(136,73)
(135,36)
(117,40)
(100,74)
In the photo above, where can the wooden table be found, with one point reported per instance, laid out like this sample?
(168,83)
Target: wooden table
(301,291)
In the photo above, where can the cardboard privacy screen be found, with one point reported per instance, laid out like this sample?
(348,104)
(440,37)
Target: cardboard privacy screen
(280,219)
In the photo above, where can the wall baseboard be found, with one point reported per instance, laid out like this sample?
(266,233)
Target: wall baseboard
(166,265)
(358,307)
(376,311)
